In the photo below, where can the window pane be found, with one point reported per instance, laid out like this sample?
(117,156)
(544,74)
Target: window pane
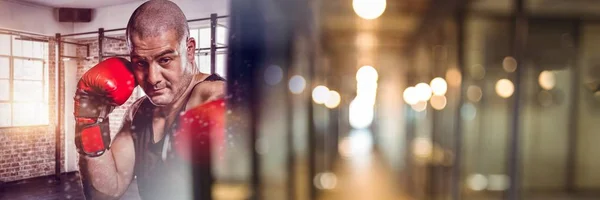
(4,67)
(6,113)
(30,114)
(4,44)
(46,51)
(204,38)
(17,47)
(22,48)
(4,90)
(194,33)
(29,91)
(38,50)
(204,63)
(46,83)
(221,36)
(28,69)
(221,65)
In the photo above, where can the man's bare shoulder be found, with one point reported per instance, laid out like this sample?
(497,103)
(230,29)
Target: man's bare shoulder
(207,91)
(130,113)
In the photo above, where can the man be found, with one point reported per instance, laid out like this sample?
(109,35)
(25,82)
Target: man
(164,137)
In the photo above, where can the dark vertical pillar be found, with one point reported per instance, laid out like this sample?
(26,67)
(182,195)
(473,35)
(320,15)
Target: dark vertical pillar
(59,112)
(291,158)
(518,47)
(213,42)
(289,111)
(247,51)
(574,109)
(312,145)
(458,134)
(100,44)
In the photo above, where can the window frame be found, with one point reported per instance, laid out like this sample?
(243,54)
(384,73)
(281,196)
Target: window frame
(11,83)
(198,54)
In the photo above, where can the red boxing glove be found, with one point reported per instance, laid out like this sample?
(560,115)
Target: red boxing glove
(192,140)
(99,91)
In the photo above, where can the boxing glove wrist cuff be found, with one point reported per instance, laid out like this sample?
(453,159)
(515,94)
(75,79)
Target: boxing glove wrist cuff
(92,130)
(93,139)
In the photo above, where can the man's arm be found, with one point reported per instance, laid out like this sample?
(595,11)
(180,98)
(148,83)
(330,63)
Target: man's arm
(109,175)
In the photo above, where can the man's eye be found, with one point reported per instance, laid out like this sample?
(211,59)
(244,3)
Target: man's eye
(164,61)
(141,64)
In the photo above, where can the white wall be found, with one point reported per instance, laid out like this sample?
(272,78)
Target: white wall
(31,18)
(112,17)
(71,155)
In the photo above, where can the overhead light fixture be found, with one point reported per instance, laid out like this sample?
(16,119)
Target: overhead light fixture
(369,9)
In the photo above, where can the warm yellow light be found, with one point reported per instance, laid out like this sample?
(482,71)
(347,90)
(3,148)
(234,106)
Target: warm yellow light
(366,40)
(369,9)
(360,113)
(509,64)
(367,74)
(547,80)
(474,93)
(477,182)
(438,102)
(320,94)
(419,106)
(424,91)
(411,95)
(439,86)
(333,100)
(498,182)
(422,148)
(326,181)
(504,88)
(366,89)
(453,77)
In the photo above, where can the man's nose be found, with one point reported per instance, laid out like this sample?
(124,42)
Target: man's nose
(154,77)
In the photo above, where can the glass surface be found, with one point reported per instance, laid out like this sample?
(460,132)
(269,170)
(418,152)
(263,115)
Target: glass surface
(204,38)
(4,67)
(28,69)
(4,90)
(4,44)
(22,48)
(30,114)
(204,63)
(38,49)
(5,117)
(28,91)
(221,65)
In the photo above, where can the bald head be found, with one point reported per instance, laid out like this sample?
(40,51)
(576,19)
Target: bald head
(155,17)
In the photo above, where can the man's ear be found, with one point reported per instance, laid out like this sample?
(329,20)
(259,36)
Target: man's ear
(191,49)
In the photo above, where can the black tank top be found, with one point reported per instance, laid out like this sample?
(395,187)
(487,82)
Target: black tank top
(160,174)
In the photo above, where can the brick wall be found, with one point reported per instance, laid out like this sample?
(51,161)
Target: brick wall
(109,46)
(27,152)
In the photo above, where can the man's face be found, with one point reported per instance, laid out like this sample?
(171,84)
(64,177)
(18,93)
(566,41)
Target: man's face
(161,66)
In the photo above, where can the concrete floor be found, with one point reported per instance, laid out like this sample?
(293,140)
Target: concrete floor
(364,177)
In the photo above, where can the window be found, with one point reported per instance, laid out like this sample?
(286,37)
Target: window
(23,82)
(202,36)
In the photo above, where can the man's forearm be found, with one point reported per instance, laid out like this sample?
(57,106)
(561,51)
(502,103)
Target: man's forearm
(100,177)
